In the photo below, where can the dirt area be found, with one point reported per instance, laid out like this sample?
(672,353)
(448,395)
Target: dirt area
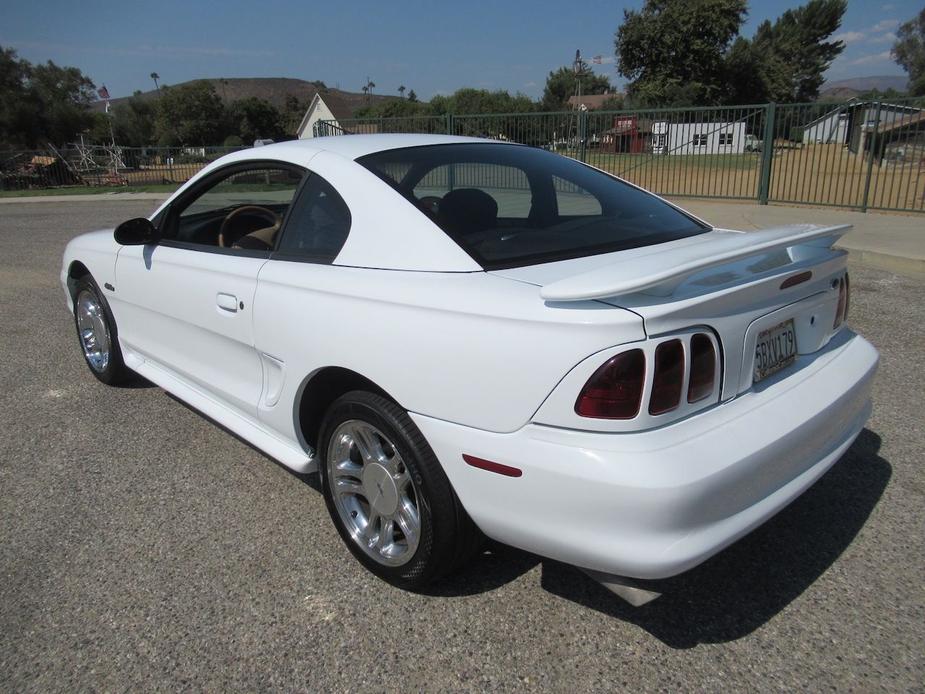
(823,174)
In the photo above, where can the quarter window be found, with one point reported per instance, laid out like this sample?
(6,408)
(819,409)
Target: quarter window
(318,224)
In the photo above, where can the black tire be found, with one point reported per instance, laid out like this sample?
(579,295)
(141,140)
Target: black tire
(114,370)
(448,537)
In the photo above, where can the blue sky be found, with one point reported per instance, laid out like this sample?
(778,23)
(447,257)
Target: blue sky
(430,47)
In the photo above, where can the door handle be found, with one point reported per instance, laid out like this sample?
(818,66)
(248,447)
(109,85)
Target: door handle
(227,302)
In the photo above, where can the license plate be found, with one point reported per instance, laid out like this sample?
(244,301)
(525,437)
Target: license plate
(775,349)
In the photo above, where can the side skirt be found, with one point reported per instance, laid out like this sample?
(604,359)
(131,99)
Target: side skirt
(290,456)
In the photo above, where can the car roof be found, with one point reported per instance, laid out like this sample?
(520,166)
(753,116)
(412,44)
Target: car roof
(353,146)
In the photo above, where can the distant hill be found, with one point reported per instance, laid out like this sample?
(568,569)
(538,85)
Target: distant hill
(842,90)
(273,89)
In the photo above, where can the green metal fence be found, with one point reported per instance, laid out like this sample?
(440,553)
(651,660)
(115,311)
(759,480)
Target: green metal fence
(84,165)
(859,155)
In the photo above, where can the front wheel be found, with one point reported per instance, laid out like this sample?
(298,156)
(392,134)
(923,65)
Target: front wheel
(96,333)
(387,494)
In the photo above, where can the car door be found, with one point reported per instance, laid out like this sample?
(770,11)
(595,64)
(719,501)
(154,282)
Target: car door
(185,305)
(293,299)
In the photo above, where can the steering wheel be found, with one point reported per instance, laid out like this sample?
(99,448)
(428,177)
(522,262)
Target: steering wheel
(226,238)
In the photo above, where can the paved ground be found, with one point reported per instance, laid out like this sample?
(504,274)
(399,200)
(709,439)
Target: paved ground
(891,242)
(143,547)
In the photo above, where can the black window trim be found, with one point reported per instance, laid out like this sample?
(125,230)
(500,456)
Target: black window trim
(299,256)
(168,214)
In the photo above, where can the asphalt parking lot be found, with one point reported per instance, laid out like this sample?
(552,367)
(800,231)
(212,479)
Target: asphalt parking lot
(142,547)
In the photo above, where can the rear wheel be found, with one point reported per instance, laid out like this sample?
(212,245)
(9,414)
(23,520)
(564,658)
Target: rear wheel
(96,333)
(388,496)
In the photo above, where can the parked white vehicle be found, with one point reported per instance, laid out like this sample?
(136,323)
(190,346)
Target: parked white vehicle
(469,337)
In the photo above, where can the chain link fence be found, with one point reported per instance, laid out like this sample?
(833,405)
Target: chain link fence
(84,165)
(859,155)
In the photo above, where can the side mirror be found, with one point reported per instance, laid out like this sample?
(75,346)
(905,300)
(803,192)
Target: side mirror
(136,232)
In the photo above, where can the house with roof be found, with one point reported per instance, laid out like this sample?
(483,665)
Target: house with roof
(328,110)
(592,102)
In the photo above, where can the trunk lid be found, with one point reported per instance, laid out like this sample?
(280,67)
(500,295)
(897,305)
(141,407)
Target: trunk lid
(731,282)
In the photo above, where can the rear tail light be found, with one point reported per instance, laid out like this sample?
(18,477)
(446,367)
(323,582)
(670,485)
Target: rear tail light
(614,391)
(841,313)
(669,377)
(703,368)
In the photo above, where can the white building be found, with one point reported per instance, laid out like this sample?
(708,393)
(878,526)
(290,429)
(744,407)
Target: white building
(830,128)
(698,138)
(318,110)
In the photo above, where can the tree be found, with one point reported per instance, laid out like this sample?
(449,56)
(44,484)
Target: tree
(41,103)
(412,96)
(401,90)
(192,114)
(133,122)
(909,52)
(672,51)
(787,59)
(17,108)
(563,83)
(293,112)
(468,100)
(155,77)
(256,119)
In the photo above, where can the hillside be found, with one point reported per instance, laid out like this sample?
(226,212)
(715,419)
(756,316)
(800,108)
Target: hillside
(843,90)
(273,89)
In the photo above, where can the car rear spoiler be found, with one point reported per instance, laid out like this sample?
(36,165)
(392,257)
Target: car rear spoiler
(662,270)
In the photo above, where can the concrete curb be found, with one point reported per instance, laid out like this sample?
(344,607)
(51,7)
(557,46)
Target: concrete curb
(895,243)
(93,197)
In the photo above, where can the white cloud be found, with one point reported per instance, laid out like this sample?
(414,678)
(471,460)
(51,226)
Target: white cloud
(885,25)
(888,37)
(849,36)
(529,84)
(873,58)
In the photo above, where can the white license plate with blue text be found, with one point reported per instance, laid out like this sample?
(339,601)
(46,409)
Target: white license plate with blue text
(775,349)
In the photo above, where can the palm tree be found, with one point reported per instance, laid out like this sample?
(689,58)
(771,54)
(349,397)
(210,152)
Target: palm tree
(155,77)
(401,91)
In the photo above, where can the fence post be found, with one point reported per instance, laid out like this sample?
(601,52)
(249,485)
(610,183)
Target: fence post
(449,124)
(767,155)
(582,134)
(872,138)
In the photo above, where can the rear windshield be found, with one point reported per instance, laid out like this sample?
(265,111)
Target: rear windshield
(509,205)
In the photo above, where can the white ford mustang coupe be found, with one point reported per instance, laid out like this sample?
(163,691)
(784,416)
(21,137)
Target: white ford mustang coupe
(468,337)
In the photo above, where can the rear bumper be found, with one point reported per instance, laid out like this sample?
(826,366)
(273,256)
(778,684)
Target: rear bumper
(656,503)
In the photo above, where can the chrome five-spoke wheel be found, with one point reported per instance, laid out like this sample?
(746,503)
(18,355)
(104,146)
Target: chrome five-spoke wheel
(93,331)
(373,492)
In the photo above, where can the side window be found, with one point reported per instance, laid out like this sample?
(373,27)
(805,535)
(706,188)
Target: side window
(508,186)
(318,224)
(242,210)
(574,201)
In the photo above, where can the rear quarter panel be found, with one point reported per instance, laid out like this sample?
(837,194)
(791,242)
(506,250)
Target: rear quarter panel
(468,348)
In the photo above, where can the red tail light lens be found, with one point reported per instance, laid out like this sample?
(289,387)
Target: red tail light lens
(669,377)
(614,391)
(841,313)
(703,368)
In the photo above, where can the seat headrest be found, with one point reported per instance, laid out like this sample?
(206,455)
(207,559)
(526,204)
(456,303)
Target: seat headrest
(466,210)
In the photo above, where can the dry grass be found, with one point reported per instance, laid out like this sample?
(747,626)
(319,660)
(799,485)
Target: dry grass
(814,174)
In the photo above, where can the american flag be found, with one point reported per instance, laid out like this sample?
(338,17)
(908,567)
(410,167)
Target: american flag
(598,60)
(103,92)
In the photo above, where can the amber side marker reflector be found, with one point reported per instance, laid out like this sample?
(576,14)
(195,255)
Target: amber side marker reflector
(482,464)
(794,280)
